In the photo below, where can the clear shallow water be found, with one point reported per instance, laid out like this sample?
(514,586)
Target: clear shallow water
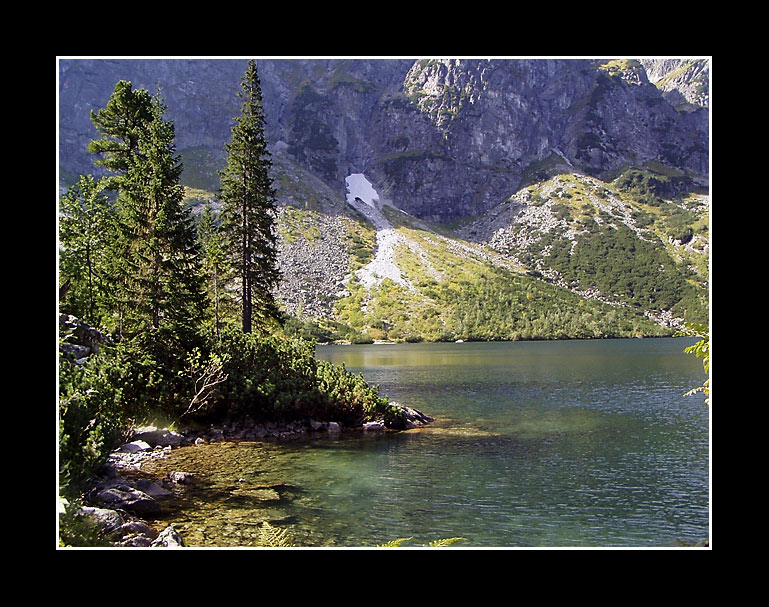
(568,443)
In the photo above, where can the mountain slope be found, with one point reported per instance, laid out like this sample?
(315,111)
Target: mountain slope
(509,274)
(515,199)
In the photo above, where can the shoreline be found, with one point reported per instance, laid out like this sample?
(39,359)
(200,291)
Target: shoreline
(382,342)
(123,508)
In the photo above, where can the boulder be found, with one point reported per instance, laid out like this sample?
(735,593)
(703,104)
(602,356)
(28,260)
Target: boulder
(125,497)
(157,437)
(409,418)
(137,528)
(168,538)
(374,426)
(136,540)
(79,339)
(109,520)
(135,447)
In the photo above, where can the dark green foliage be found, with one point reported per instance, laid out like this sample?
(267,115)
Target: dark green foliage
(215,264)
(78,530)
(86,230)
(155,260)
(502,306)
(150,261)
(637,272)
(308,330)
(272,377)
(94,408)
(679,223)
(615,261)
(100,399)
(651,187)
(682,234)
(122,124)
(250,208)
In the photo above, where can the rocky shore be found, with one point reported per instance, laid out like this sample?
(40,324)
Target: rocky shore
(122,507)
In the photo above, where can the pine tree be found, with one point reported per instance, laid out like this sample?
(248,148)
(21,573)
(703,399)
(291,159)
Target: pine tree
(249,211)
(85,228)
(214,260)
(157,266)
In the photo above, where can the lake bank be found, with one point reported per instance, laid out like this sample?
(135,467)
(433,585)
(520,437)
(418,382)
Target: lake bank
(557,444)
(124,499)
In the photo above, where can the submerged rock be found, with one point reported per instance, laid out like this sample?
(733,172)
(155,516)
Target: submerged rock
(168,538)
(181,478)
(125,497)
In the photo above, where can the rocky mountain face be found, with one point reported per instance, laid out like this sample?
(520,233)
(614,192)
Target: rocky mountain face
(443,139)
(471,142)
(685,83)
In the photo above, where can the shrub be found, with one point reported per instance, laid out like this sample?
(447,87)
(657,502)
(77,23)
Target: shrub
(100,400)
(93,413)
(274,377)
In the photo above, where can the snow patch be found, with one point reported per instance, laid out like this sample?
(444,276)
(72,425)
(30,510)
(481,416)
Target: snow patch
(364,197)
(360,187)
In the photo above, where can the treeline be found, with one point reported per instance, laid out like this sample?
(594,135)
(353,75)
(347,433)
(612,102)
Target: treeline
(485,305)
(195,334)
(500,305)
(638,272)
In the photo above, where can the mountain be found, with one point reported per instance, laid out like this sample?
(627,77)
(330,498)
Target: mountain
(504,199)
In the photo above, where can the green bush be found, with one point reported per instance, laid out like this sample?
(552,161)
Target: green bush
(274,377)
(93,413)
(269,377)
(102,398)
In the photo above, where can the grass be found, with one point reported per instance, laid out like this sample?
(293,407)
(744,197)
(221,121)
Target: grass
(459,294)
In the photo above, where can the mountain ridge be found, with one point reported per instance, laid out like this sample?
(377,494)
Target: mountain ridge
(493,155)
(443,138)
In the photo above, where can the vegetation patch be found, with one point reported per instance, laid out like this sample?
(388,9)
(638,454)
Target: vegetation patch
(623,68)
(297,223)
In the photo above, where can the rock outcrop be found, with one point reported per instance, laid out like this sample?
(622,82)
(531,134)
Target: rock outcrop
(685,83)
(444,139)
(124,506)
(78,340)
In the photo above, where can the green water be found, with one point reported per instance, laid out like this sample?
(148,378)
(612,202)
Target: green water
(568,443)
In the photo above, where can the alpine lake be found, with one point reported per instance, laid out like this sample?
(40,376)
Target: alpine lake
(552,444)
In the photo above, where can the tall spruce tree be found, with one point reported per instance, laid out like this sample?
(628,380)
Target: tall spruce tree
(250,208)
(157,258)
(86,227)
(214,261)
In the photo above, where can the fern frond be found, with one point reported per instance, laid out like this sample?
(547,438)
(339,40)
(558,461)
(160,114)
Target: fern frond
(273,537)
(446,542)
(434,544)
(395,543)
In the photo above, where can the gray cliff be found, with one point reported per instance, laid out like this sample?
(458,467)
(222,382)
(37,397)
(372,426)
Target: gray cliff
(441,139)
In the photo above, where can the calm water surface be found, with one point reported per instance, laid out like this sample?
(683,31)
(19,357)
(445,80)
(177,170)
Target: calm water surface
(568,443)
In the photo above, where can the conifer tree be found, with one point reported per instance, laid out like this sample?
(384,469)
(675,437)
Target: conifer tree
(214,260)
(85,229)
(249,207)
(157,270)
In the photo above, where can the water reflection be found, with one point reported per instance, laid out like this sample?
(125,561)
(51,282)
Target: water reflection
(539,444)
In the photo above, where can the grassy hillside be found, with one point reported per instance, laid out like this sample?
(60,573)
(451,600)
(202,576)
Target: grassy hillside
(459,290)
(640,240)
(566,257)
